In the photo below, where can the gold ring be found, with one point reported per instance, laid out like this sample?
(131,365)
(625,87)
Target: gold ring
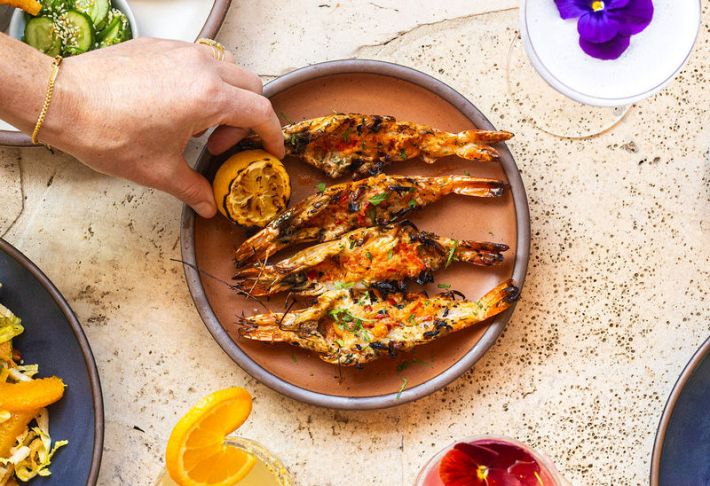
(217,48)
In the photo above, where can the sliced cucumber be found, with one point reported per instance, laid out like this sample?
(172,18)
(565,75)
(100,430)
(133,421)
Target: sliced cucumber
(54,8)
(42,34)
(78,32)
(96,9)
(117,30)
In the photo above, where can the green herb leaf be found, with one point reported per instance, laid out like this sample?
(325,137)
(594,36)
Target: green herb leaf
(346,135)
(452,251)
(343,285)
(390,254)
(412,204)
(372,213)
(411,318)
(444,286)
(403,154)
(320,187)
(406,364)
(401,388)
(368,255)
(378,198)
(340,343)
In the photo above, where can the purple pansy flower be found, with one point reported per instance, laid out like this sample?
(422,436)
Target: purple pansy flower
(605,27)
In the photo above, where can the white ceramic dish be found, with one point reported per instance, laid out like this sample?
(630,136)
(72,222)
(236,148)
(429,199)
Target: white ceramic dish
(185,20)
(17,24)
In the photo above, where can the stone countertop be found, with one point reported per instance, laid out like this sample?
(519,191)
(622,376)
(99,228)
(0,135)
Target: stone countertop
(615,303)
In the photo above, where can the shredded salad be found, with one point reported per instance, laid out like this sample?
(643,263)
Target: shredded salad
(26,449)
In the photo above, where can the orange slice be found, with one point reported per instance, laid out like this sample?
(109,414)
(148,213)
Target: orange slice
(32,7)
(11,429)
(30,395)
(197,454)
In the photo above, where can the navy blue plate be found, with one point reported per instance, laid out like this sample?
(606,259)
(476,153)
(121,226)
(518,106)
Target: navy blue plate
(681,455)
(54,339)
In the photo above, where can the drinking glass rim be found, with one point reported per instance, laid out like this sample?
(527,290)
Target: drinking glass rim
(580,97)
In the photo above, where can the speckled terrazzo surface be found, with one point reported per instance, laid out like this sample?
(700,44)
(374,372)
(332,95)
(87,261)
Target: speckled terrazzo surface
(615,303)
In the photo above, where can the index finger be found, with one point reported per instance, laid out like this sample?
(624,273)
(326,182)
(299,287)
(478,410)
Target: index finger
(245,109)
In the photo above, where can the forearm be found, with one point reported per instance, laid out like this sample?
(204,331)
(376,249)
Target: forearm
(24,73)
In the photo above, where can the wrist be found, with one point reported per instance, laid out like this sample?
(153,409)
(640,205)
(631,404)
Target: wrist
(62,120)
(24,87)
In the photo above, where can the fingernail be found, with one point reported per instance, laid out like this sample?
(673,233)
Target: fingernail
(205,209)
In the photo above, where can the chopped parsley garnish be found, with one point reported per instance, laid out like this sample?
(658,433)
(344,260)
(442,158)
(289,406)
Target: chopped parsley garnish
(444,286)
(346,135)
(320,187)
(340,343)
(411,317)
(366,336)
(285,117)
(406,364)
(401,388)
(343,317)
(452,251)
(372,213)
(403,154)
(368,255)
(378,198)
(343,285)
(412,204)
(390,254)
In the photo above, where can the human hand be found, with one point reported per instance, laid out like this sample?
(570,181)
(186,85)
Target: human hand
(130,110)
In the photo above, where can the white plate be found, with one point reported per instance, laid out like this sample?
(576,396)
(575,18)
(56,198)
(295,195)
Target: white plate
(174,19)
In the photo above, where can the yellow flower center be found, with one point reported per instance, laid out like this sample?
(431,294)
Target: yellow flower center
(597,5)
(482,473)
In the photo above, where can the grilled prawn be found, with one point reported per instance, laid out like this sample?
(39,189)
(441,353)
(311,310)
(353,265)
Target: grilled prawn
(340,208)
(349,331)
(364,257)
(364,144)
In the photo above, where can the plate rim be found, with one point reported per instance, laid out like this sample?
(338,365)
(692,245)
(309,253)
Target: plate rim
(688,370)
(94,380)
(522,223)
(210,29)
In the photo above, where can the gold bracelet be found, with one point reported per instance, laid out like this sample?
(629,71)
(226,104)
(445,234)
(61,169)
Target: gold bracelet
(56,62)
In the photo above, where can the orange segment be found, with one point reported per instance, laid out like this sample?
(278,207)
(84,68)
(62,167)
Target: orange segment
(12,428)
(30,395)
(197,454)
(32,7)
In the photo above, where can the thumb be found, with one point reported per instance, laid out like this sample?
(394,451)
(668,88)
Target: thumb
(192,189)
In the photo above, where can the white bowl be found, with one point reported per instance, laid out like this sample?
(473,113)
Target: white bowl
(17,23)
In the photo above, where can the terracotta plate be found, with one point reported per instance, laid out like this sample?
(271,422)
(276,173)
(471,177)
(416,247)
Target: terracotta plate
(371,87)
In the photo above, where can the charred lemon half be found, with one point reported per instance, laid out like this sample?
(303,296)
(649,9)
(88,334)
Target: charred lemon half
(251,188)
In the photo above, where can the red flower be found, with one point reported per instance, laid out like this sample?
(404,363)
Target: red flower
(489,463)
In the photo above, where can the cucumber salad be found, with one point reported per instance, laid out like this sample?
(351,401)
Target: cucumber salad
(71,27)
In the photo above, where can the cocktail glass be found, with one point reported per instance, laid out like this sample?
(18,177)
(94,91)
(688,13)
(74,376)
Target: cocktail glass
(565,92)
(494,460)
(268,470)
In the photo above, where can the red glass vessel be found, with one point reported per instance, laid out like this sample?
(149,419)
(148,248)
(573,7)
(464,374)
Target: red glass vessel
(489,461)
